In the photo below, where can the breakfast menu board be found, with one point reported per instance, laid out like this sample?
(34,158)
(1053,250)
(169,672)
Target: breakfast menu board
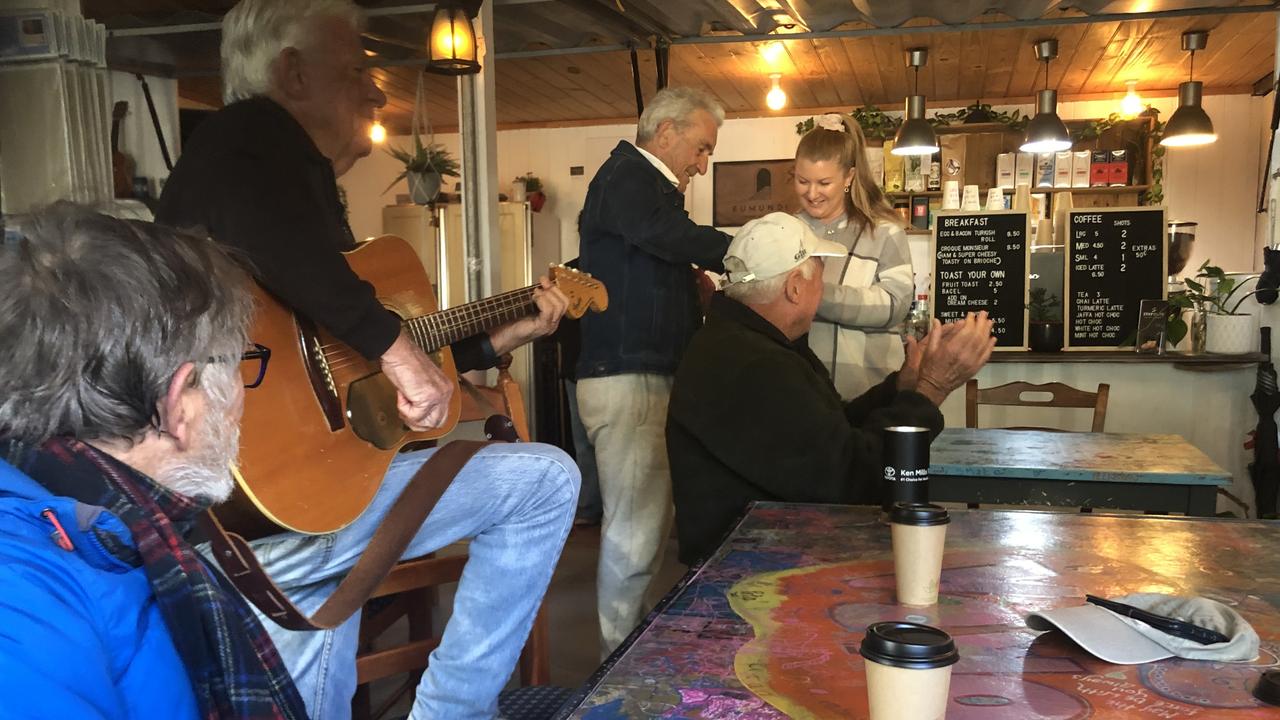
(981,262)
(1115,260)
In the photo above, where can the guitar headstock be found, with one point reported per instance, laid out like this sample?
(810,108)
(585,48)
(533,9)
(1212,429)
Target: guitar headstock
(584,292)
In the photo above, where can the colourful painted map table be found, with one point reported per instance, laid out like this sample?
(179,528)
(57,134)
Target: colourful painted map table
(1157,473)
(769,626)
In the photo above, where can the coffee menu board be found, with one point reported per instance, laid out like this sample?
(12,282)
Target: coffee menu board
(1115,260)
(981,262)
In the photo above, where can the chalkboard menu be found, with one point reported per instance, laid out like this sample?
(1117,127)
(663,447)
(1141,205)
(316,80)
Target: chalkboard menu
(981,262)
(1115,260)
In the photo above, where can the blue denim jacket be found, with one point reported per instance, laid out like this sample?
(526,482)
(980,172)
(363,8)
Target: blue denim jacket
(638,240)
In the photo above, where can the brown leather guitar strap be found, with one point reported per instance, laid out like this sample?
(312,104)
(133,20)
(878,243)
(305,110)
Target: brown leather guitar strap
(385,548)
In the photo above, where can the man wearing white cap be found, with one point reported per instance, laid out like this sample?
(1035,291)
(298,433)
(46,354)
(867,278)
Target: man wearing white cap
(754,414)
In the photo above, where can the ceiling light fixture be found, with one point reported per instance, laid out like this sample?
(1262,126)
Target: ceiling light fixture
(1190,124)
(772,52)
(777,98)
(377,133)
(1046,132)
(452,47)
(915,135)
(1131,105)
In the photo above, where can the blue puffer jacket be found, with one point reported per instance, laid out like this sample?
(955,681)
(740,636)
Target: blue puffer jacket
(80,633)
(638,240)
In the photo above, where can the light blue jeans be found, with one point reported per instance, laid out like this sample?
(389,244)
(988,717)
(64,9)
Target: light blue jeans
(626,418)
(516,502)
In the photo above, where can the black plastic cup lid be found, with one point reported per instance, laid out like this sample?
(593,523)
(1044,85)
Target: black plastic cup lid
(909,645)
(918,514)
(1268,688)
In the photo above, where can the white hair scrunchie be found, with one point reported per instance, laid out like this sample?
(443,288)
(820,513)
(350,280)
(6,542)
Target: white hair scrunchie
(831,121)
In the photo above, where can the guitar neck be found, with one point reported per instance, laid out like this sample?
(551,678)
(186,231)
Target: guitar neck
(446,327)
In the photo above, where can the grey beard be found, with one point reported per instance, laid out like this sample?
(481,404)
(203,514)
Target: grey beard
(205,475)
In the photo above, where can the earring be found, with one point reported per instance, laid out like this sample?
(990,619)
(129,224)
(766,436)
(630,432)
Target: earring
(846,188)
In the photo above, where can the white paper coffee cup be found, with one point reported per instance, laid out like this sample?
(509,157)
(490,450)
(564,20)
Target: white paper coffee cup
(919,534)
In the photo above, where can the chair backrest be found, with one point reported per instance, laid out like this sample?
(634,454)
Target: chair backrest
(1060,396)
(480,402)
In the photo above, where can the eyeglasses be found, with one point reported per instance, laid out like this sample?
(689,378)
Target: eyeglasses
(260,354)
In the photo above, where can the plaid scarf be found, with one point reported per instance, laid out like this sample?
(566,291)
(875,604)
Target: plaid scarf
(234,668)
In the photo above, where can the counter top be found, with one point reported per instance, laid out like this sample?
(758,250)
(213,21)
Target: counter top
(1201,360)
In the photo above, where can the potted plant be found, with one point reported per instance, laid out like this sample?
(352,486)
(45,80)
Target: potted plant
(1227,330)
(533,190)
(424,167)
(1046,321)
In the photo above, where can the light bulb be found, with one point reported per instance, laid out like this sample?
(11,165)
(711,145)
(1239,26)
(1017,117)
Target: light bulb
(377,133)
(772,52)
(777,98)
(1131,105)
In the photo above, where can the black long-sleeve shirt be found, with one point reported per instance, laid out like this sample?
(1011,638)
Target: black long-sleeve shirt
(253,179)
(754,416)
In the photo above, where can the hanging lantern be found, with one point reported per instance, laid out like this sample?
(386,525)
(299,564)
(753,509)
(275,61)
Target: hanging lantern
(776,99)
(452,47)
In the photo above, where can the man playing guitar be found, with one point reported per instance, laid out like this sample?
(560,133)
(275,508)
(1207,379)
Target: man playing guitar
(259,176)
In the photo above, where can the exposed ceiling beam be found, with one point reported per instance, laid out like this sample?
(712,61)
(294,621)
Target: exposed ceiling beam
(1270,7)
(1265,85)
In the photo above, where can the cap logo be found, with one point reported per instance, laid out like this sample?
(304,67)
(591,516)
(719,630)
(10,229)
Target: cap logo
(801,255)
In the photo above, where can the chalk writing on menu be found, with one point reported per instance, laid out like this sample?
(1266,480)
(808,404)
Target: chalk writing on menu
(1116,259)
(981,263)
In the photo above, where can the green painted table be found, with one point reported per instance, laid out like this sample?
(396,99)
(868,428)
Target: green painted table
(1154,473)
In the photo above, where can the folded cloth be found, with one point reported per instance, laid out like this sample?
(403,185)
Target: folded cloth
(1128,641)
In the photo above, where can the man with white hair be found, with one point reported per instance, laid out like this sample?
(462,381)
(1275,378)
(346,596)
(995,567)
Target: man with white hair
(754,413)
(637,238)
(260,175)
(118,417)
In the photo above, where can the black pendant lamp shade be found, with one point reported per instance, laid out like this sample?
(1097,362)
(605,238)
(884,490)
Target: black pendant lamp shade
(1190,124)
(915,135)
(1046,132)
(452,45)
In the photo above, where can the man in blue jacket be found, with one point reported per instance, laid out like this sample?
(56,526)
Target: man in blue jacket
(120,403)
(637,238)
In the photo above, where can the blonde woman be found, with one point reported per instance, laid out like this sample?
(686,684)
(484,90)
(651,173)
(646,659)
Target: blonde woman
(869,292)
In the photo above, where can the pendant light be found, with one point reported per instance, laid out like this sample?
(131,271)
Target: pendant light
(915,134)
(452,49)
(1190,124)
(776,98)
(1131,103)
(1046,132)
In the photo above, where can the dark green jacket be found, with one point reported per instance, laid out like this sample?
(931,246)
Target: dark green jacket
(754,416)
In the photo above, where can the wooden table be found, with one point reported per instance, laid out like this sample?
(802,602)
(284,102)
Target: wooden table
(1156,473)
(770,626)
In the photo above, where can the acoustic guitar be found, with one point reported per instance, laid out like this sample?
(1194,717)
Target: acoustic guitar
(319,432)
(121,164)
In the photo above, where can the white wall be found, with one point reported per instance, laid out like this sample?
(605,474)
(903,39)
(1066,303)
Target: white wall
(1216,185)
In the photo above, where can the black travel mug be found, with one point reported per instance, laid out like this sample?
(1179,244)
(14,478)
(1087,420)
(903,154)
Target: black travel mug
(906,465)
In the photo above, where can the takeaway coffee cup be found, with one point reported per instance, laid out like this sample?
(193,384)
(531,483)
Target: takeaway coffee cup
(908,669)
(905,457)
(919,534)
(951,195)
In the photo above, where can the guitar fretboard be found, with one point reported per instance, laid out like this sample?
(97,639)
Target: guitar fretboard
(436,330)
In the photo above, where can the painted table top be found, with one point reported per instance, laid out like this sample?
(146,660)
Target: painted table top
(770,626)
(1087,457)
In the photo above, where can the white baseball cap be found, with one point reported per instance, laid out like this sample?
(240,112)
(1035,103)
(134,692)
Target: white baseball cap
(772,245)
(1115,638)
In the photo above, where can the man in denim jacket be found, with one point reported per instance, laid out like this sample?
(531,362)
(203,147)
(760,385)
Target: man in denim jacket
(637,238)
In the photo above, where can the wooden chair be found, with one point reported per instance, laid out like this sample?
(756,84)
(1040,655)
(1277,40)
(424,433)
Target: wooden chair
(1060,396)
(411,589)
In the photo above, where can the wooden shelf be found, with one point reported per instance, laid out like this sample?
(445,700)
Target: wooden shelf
(909,195)
(1110,190)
